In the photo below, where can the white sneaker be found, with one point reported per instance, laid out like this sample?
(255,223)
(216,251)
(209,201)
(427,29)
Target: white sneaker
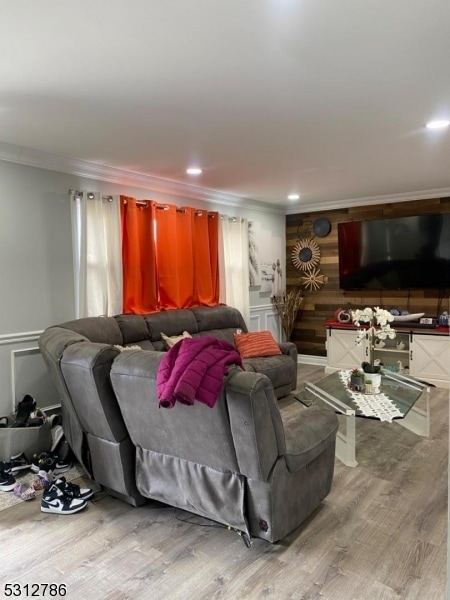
(55,501)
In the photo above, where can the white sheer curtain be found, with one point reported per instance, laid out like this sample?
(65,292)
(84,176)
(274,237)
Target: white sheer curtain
(97,255)
(233,264)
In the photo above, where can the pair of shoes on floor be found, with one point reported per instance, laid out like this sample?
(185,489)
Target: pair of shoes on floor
(64,498)
(50,462)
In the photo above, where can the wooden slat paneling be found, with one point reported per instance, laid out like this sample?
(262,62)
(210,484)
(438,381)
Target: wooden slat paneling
(309,331)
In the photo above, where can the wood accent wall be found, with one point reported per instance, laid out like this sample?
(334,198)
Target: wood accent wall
(309,333)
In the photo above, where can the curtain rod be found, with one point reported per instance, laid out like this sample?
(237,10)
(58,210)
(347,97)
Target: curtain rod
(76,194)
(233,219)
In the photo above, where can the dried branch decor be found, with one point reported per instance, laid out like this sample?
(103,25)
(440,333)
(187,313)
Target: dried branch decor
(287,306)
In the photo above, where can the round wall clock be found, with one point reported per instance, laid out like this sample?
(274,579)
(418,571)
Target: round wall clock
(321,227)
(305,254)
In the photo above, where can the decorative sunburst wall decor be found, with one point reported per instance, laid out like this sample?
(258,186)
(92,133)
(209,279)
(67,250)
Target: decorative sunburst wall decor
(305,254)
(313,279)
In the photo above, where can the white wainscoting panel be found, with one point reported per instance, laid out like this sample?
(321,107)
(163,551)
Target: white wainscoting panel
(29,376)
(22,371)
(263,317)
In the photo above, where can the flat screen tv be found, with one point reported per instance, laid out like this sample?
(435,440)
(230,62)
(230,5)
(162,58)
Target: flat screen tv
(395,254)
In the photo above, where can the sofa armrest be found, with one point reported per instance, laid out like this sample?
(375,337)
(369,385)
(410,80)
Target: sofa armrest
(255,423)
(290,349)
(307,432)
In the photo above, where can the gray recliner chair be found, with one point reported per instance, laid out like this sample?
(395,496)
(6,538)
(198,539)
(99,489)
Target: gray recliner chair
(238,463)
(92,420)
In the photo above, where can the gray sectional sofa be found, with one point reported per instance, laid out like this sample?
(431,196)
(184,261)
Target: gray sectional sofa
(238,463)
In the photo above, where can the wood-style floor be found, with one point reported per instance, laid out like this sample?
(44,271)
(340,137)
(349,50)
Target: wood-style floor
(380,534)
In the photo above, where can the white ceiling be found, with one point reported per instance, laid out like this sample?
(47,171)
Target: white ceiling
(327,98)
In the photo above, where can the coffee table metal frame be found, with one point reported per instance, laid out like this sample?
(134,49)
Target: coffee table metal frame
(416,420)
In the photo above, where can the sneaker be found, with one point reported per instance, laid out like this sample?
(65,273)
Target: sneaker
(24,410)
(54,420)
(72,490)
(7,481)
(55,501)
(51,463)
(57,435)
(35,467)
(17,463)
(37,418)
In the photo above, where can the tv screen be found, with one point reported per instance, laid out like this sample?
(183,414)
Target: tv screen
(395,254)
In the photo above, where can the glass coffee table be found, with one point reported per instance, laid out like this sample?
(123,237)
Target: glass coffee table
(396,401)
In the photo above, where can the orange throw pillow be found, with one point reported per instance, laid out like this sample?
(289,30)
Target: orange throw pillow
(257,343)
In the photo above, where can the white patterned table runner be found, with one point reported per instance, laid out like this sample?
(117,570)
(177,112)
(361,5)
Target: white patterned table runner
(371,405)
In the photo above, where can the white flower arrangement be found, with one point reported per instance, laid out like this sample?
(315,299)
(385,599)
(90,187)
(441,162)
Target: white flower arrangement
(378,321)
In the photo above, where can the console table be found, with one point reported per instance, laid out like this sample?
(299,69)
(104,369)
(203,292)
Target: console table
(424,353)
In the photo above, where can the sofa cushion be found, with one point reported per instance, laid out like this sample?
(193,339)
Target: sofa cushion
(256,343)
(213,318)
(133,327)
(172,322)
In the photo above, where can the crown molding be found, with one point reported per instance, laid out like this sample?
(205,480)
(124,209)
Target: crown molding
(370,200)
(89,170)
(95,171)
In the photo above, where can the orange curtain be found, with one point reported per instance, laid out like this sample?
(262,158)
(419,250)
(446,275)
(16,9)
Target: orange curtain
(187,257)
(206,246)
(169,255)
(175,256)
(140,292)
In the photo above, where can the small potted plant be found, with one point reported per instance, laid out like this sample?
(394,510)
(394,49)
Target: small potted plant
(357,380)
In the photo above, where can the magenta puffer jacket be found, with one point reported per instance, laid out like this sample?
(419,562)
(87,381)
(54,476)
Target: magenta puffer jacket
(194,369)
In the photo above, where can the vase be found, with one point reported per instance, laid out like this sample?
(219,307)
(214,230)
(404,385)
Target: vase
(357,383)
(372,383)
(370,368)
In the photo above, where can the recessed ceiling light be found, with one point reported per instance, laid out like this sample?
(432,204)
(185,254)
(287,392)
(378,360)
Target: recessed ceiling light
(437,124)
(293,197)
(193,171)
